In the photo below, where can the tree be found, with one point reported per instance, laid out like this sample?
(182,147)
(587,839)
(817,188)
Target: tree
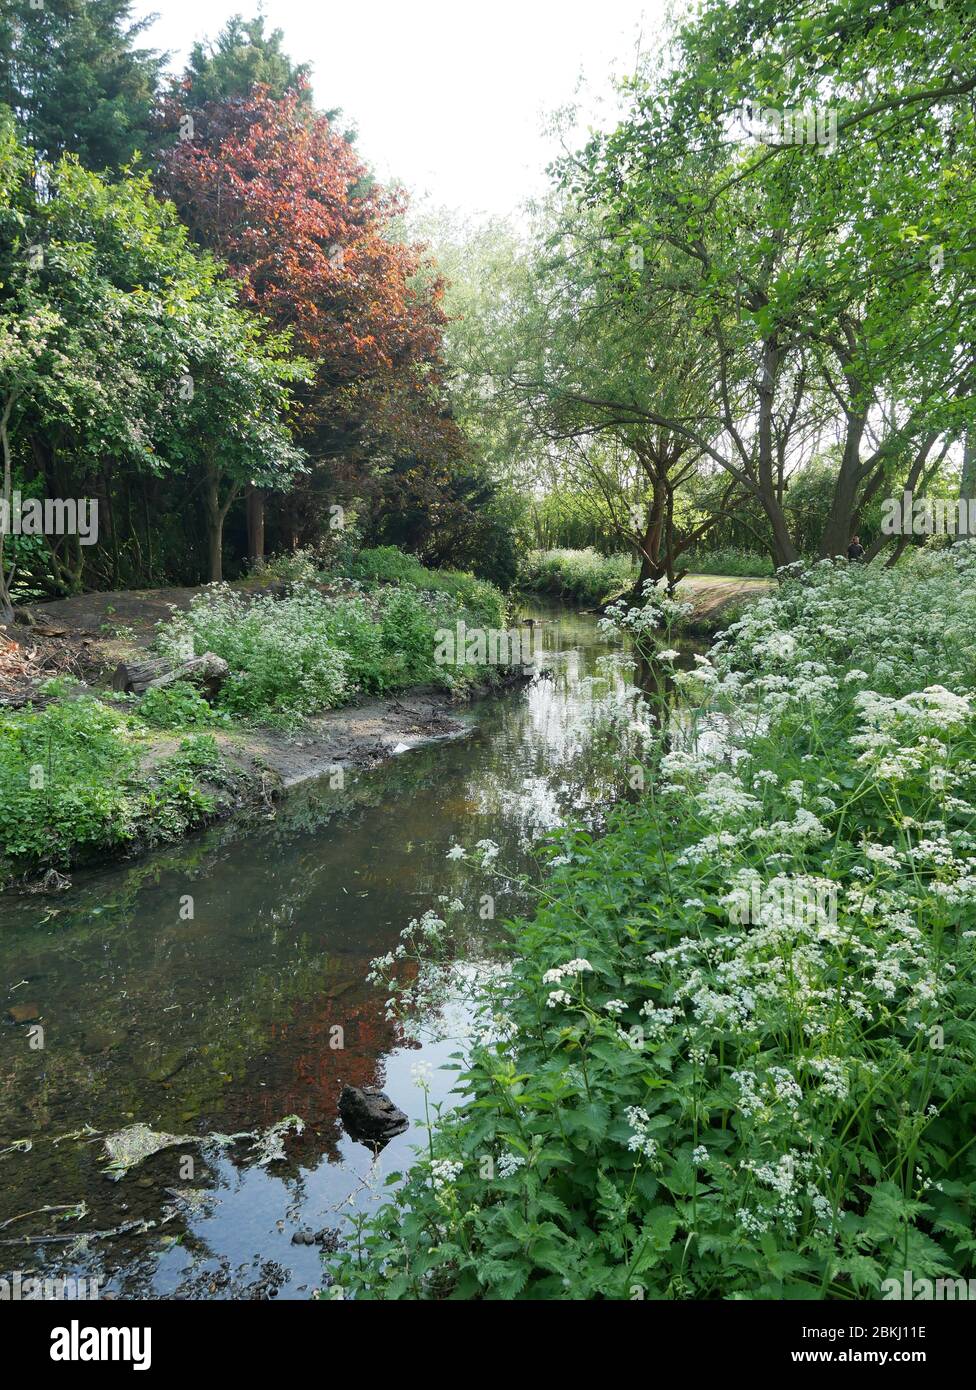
(76,80)
(125,357)
(241,58)
(228,423)
(808,271)
(286,202)
(553,367)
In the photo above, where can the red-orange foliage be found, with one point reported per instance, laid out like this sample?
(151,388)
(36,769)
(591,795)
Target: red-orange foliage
(288,204)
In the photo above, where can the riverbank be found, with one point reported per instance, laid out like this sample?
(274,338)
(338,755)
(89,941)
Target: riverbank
(718,600)
(734,1052)
(591,580)
(218,984)
(318,674)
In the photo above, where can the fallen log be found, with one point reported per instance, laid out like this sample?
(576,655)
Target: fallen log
(136,677)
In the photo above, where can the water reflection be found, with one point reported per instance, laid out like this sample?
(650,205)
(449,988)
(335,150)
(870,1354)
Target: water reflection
(226,1021)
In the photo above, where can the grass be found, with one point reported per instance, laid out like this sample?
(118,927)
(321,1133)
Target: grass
(73,785)
(731,561)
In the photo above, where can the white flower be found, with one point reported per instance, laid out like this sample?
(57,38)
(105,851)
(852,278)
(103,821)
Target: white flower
(559,972)
(443,1173)
(510,1163)
(420,1073)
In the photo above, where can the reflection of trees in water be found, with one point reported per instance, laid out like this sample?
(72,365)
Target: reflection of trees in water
(226,1021)
(221,1022)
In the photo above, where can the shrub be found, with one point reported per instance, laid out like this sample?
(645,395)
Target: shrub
(177,706)
(283,653)
(312,651)
(71,784)
(728,561)
(688,1087)
(582,575)
(388,565)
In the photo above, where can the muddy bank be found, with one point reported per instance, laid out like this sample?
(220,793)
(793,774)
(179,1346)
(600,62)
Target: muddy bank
(360,735)
(86,637)
(260,765)
(716,600)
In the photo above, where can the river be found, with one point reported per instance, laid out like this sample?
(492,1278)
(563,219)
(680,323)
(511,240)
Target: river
(219,986)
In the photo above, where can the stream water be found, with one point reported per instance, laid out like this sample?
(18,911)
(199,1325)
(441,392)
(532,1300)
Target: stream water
(227,1021)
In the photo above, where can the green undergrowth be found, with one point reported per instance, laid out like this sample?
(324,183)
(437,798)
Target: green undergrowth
(734,1054)
(326,643)
(80,778)
(581,576)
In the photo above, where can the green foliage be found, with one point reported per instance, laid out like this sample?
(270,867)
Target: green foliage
(728,560)
(118,339)
(297,656)
(76,79)
(241,57)
(568,520)
(177,706)
(581,575)
(73,784)
(825,274)
(452,517)
(694,1085)
(386,564)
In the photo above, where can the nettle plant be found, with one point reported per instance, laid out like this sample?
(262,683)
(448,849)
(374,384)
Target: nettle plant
(671,1102)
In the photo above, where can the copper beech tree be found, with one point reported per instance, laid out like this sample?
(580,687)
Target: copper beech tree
(309,235)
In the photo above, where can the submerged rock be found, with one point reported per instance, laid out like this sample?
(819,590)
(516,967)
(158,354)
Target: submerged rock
(369,1116)
(51,882)
(328,1239)
(101,1040)
(23,1013)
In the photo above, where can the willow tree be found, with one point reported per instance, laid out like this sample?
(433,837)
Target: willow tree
(813,228)
(583,371)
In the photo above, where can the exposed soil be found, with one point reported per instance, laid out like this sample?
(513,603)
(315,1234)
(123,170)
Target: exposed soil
(359,735)
(713,595)
(86,636)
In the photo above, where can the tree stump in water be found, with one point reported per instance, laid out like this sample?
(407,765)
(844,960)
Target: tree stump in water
(136,677)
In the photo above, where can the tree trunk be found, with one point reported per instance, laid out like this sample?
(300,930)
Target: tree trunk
(6,607)
(135,678)
(784,551)
(650,548)
(841,518)
(255,526)
(215,530)
(967,484)
(215,523)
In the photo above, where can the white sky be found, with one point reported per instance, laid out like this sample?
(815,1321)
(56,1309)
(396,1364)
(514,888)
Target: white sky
(449,96)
